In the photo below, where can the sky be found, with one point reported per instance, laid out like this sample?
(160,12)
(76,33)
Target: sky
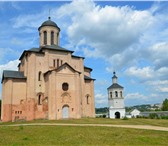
(128,37)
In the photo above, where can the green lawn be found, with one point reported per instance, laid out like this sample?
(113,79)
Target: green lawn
(135,121)
(84,136)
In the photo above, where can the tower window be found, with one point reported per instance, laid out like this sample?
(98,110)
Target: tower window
(39,76)
(120,93)
(57,62)
(52,38)
(45,37)
(116,94)
(111,95)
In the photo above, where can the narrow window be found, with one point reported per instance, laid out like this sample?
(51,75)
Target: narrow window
(39,100)
(120,93)
(87,99)
(45,37)
(52,38)
(61,62)
(54,63)
(116,94)
(111,95)
(57,62)
(39,76)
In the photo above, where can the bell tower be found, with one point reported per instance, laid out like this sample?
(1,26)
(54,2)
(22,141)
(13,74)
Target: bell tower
(49,33)
(116,99)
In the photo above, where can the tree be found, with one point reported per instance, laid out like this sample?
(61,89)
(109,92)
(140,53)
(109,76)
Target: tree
(165,105)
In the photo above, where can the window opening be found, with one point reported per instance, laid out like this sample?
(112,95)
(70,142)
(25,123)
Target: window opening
(45,37)
(65,86)
(52,38)
(116,94)
(39,100)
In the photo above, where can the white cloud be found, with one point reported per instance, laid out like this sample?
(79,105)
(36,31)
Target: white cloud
(136,95)
(141,73)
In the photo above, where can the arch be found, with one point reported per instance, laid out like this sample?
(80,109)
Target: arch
(117,115)
(111,95)
(52,38)
(45,37)
(65,111)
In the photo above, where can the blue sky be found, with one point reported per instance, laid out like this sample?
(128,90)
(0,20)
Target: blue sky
(128,37)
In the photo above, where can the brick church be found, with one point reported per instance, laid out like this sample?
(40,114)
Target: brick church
(51,83)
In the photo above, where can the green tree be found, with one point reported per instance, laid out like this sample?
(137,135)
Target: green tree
(165,105)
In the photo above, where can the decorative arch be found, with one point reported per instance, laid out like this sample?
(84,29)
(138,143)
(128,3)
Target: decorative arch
(66,98)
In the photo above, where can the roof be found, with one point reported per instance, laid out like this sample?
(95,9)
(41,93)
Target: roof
(56,47)
(85,67)
(12,74)
(115,85)
(49,23)
(50,47)
(88,78)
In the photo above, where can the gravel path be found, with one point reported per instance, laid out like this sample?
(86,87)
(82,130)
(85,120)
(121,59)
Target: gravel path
(147,127)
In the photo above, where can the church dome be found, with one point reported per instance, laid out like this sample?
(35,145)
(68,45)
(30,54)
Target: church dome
(49,23)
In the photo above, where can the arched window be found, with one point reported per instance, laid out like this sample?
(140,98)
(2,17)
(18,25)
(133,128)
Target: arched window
(39,76)
(39,100)
(45,37)
(120,93)
(52,38)
(116,94)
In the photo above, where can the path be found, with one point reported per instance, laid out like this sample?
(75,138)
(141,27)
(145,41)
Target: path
(147,127)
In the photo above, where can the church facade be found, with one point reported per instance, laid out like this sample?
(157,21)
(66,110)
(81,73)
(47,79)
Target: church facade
(51,83)
(116,99)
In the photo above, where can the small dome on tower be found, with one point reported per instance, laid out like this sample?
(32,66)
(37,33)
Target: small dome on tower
(49,23)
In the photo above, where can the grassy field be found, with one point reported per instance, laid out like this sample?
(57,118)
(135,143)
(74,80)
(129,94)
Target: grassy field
(84,136)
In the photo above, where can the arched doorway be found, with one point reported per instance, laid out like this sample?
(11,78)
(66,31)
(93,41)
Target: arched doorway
(117,115)
(65,112)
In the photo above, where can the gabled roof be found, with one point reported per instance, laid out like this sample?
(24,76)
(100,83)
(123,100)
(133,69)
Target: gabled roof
(115,85)
(88,78)
(12,74)
(62,66)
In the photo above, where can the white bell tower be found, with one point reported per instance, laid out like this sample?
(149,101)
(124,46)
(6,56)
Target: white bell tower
(116,99)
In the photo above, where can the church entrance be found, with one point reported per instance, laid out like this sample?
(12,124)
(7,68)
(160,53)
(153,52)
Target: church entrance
(117,115)
(65,112)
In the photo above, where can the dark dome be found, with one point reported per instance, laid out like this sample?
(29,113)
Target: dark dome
(49,23)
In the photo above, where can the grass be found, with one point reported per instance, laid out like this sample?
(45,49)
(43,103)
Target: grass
(84,136)
(134,121)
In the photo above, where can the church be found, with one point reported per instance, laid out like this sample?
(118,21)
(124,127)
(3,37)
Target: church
(116,99)
(51,83)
